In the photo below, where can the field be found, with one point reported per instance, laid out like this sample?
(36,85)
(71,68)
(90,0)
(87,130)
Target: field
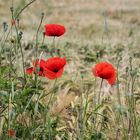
(80,102)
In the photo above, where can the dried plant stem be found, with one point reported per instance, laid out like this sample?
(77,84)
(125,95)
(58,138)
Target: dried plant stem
(21,50)
(28,4)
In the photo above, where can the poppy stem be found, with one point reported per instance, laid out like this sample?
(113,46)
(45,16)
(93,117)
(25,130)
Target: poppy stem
(99,95)
(53,47)
(48,124)
(37,34)
(36,49)
(54,41)
(40,57)
(51,96)
(43,38)
(118,87)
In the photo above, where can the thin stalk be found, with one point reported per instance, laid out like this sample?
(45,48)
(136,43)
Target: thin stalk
(37,34)
(43,39)
(118,88)
(132,120)
(36,49)
(99,126)
(5,39)
(86,104)
(120,116)
(18,44)
(126,88)
(12,14)
(53,44)
(99,95)
(81,121)
(2,36)
(28,4)
(47,117)
(9,102)
(21,50)
(133,106)
(51,96)
(53,47)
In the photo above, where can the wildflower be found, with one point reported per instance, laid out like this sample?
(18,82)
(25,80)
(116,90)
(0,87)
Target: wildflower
(37,67)
(54,67)
(105,71)
(11,133)
(51,68)
(55,30)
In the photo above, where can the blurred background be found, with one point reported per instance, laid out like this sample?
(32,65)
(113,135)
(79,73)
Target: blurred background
(113,21)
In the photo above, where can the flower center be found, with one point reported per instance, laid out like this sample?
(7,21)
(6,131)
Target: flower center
(55,70)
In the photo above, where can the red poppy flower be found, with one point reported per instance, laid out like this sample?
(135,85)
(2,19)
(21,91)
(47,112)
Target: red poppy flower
(106,71)
(54,30)
(37,67)
(54,67)
(11,133)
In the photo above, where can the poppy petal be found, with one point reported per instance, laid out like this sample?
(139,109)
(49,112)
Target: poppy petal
(112,80)
(42,63)
(12,133)
(59,73)
(29,70)
(106,71)
(54,30)
(49,74)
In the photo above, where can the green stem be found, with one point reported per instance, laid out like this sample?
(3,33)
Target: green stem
(118,88)
(51,96)
(36,51)
(53,47)
(99,95)
(47,117)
